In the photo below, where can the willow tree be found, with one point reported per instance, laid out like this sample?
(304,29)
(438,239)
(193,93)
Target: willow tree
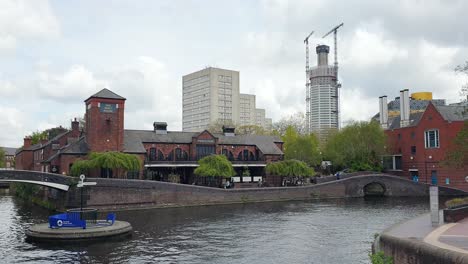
(289,168)
(111,160)
(215,166)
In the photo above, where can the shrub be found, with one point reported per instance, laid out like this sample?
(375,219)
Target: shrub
(215,166)
(380,258)
(289,168)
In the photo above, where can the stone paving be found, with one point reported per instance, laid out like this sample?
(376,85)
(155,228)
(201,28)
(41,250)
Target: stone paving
(452,236)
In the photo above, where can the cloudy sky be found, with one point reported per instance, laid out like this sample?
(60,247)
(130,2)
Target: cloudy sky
(54,54)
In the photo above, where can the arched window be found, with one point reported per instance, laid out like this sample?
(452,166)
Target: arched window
(230,156)
(160,155)
(245,155)
(180,154)
(251,156)
(170,157)
(152,154)
(239,156)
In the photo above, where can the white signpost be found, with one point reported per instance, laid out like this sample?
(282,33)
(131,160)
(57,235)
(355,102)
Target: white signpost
(82,184)
(434,201)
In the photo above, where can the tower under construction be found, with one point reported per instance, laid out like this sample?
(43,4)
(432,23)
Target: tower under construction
(323,102)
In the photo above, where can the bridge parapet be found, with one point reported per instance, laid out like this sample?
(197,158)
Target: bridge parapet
(41,178)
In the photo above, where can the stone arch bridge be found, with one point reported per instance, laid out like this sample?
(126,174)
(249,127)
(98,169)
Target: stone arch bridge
(122,194)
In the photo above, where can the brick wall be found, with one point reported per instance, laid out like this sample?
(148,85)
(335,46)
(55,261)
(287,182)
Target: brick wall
(104,131)
(426,160)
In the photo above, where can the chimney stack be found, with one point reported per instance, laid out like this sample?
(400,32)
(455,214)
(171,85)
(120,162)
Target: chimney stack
(404,108)
(229,131)
(75,125)
(160,128)
(27,142)
(383,110)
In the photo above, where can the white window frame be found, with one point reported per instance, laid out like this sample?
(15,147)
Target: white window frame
(437,138)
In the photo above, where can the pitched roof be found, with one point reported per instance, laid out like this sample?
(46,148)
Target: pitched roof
(77,147)
(134,139)
(106,93)
(414,120)
(448,112)
(453,112)
(9,151)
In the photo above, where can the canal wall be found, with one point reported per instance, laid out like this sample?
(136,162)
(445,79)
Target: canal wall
(122,194)
(414,251)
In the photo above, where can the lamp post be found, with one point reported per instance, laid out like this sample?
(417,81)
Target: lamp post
(81,184)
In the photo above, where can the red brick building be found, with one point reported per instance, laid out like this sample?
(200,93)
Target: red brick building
(418,143)
(162,152)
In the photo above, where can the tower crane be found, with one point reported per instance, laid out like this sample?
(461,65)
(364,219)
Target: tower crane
(338,85)
(335,30)
(306,42)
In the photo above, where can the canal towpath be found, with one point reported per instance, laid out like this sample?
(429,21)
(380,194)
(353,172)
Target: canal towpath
(449,239)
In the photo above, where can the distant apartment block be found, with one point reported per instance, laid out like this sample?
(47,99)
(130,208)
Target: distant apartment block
(208,96)
(247,109)
(212,95)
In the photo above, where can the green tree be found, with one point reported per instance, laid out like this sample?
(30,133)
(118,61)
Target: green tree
(215,166)
(301,147)
(47,134)
(358,146)
(297,121)
(112,160)
(289,168)
(457,154)
(463,69)
(2,158)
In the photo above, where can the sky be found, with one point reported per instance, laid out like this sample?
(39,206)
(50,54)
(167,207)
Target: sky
(55,54)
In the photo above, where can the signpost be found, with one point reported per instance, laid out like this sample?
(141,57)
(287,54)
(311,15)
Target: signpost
(82,184)
(434,201)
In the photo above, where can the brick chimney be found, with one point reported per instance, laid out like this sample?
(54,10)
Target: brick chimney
(27,142)
(75,125)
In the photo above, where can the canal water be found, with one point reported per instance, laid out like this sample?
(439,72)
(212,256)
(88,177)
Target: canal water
(325,231)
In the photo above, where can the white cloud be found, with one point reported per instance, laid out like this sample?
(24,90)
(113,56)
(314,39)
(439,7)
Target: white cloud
(357,106)
(12,126)
(369,48)
(25,19)
(76,82)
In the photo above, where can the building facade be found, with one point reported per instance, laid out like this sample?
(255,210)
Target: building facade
(209,96)
(419,141)
(9,159)
(247,108)
(162,152)
(324,114)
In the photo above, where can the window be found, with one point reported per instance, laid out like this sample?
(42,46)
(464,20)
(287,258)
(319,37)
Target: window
(180,154)
(431,138)
(152,154)
(413,150)
(399,136)
(205,150)
(392,163)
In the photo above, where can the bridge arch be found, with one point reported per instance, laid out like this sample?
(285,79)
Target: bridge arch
(374,188)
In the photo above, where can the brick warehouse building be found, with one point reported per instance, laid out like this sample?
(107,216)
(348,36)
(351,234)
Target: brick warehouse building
(419,141)
(162,152)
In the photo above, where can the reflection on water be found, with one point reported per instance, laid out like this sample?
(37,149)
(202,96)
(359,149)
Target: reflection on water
(326,231)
